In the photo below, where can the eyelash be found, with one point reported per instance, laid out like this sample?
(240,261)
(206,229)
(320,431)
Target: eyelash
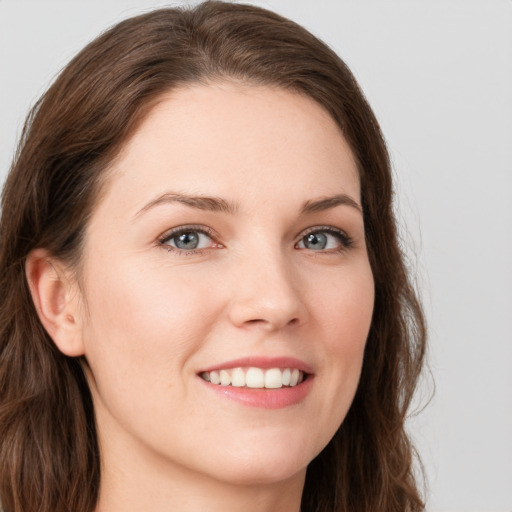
(173,233)
(345,240)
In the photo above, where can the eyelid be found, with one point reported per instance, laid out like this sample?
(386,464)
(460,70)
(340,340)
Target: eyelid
(170,233)
(345,240)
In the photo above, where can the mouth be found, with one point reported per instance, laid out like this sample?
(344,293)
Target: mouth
(255,378)
(268,383)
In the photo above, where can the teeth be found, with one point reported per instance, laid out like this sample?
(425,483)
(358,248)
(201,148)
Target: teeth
(238,378)
(225,379)
(273,378)
(255,378)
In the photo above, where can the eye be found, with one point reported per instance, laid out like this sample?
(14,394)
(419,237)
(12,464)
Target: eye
(188,238)
(324,239)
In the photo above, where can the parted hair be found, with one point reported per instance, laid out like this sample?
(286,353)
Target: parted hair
(50,460)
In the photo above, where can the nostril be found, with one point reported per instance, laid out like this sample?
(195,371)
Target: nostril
(252,309)
(263,322)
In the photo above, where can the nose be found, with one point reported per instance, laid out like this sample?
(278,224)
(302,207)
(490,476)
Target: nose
(266,294)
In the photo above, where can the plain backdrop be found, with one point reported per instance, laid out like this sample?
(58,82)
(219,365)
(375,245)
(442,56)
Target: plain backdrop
(439,77)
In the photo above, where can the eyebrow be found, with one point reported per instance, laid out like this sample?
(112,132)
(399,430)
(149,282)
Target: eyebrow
(218,204)
(212,204)
(327,203)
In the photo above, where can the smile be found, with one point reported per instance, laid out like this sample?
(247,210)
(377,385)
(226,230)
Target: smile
(256,378)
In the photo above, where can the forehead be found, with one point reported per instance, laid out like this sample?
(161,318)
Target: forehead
(226,139)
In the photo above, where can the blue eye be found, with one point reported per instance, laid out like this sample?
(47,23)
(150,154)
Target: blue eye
(187,239)
(324,239)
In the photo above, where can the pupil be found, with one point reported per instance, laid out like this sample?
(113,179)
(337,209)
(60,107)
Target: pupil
(188,240)
(315,241)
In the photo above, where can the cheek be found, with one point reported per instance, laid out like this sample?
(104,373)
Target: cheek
(142,322)
(344,317)
(344,309)
(145,325)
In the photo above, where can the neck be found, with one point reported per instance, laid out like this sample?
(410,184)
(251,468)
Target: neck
(180,490)
(135,478)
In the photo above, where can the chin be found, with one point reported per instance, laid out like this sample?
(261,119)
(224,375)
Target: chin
(264,474)
(266,464)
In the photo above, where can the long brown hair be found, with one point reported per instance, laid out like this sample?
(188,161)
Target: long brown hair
(48,445)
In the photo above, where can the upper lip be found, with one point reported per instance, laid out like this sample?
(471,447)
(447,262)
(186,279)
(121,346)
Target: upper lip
(261,362)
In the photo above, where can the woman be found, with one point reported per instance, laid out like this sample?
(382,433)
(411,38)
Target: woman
(204,302)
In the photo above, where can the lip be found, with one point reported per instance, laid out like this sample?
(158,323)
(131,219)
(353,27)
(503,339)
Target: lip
(261,362)
(261,397)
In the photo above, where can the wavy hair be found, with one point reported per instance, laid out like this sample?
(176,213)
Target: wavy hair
(48,443)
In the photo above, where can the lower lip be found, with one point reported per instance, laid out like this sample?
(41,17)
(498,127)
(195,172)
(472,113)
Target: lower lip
(262,397)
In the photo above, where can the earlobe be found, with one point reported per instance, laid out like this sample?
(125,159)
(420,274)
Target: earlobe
(56,298)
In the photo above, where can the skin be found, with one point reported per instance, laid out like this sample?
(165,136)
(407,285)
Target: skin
(149,317)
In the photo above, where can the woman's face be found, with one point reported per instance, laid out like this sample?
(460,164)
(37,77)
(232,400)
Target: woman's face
(229,245)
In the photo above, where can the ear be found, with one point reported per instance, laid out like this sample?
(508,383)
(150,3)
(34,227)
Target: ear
(57,300)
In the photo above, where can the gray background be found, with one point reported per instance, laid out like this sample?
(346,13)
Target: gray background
(439,76)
